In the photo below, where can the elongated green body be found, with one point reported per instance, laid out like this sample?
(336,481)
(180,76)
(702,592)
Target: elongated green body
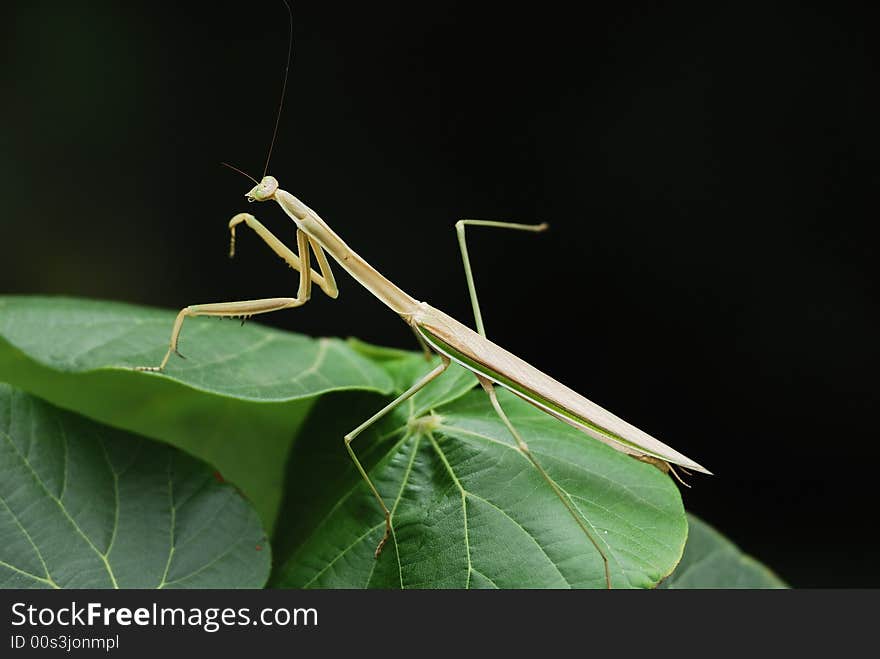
(475,352)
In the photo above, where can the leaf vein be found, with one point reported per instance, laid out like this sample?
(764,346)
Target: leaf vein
(64,511)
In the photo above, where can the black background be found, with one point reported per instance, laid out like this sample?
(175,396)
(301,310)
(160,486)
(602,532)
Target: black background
(709,171)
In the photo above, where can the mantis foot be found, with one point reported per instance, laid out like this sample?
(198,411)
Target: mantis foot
(386,536)
(161,366)
(149,369)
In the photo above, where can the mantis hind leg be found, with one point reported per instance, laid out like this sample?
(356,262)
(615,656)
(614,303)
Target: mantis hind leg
(366,424)
(462,243)
(524,449)
(244,308)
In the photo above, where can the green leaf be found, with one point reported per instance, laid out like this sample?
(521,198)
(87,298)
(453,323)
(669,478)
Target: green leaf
(87,506)
(236,402)
(712,561)
(406,367)
(469,510)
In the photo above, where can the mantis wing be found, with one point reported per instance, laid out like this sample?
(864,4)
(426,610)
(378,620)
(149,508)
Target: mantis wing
(477,353)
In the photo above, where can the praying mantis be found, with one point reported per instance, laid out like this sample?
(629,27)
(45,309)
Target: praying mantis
(436,331)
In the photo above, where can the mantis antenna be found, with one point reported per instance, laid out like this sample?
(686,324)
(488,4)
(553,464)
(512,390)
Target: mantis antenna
(283,85)
(242,172)
(280,102)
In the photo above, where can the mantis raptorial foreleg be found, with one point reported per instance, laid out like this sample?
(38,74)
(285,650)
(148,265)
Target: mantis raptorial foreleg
(325,280)
(563,497)
(246,308)
(442,366)
(462,243)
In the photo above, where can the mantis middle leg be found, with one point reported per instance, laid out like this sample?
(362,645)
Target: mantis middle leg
(524,449)
(462,242)
(444,363)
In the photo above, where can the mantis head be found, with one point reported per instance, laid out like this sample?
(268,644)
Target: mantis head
(264,190)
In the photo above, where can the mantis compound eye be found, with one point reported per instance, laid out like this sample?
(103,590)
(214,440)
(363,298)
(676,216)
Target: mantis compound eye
(263,190)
